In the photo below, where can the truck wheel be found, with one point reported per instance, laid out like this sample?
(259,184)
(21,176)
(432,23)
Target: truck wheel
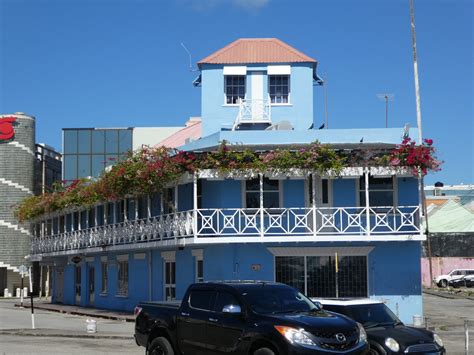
(160,346)
(443,283)
(264,351)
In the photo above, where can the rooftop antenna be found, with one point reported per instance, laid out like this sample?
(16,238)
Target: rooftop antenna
(387,98)
(190,59)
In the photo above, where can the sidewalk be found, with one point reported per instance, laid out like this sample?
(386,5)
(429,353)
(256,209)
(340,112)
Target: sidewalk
(80,311)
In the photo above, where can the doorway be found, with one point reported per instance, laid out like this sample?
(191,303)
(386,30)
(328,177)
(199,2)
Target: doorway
(77,284)
(91,284)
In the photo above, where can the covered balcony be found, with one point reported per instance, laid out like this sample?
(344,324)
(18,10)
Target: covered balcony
(159,220)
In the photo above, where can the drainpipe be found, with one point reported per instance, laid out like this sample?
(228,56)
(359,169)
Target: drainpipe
(150,270)
(313,201)
(195,206)
(367,204)
(262,219)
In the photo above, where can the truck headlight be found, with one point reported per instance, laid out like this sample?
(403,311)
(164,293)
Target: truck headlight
(294,336)
(438,340)
(362,333)
(392,344)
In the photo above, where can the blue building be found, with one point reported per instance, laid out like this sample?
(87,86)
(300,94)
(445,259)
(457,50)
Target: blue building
(355,234)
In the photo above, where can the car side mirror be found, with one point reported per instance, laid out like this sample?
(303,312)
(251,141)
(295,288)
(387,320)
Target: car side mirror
(232,308)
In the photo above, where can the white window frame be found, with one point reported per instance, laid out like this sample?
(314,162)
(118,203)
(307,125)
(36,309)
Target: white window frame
(198,257)
(289,90)
(394,190)
(122,284)
(315,251)
(169,257)
(225,88)
(244,192)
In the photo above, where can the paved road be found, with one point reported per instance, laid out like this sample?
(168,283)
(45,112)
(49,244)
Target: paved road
(112,336)
(447,317)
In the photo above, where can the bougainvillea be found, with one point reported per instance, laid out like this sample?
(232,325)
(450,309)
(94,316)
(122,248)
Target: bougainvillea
(420,158)
(151,169)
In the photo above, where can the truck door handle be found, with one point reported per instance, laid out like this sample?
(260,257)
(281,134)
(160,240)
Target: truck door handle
(184,314)
(213,320)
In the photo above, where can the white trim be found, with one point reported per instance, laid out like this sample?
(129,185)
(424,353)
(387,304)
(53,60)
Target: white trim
(90,259)
(168,256)
(197,253)
(15,185)
(104,259)
(323,251)
(122,257)
(22,146)
(235,70)
(139,256)
(279,70)
(14,227)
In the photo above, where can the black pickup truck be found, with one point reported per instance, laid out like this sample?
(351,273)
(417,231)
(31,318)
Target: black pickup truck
(255,318)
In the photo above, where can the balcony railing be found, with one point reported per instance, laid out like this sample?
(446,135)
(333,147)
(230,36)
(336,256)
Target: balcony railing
(253,111)
(239,224)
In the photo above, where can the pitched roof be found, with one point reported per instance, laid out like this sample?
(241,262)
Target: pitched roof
(257,50)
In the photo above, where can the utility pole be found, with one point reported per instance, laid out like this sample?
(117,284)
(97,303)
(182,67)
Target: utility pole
(387,98)
(420,136)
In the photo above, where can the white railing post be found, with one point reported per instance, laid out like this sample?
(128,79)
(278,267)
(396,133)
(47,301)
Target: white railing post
(367,204)
(195,205)
(262,217)
(313,201)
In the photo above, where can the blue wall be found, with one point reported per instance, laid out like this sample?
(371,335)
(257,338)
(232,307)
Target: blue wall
(216,115)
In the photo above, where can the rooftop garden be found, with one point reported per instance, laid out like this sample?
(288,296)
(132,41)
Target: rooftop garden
(149,170)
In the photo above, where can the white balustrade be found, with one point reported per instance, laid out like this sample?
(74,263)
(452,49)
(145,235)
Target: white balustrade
(237,222)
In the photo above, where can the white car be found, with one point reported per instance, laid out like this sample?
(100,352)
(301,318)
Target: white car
(443,280)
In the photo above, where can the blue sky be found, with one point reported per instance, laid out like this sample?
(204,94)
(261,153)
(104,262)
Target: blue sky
(116,63)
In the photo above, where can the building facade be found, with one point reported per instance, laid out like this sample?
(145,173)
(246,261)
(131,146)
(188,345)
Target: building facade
(356,234)
(89,151)
(17,162)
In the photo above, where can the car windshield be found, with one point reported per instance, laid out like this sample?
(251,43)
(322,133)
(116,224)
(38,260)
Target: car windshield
(273,300)
(371,315)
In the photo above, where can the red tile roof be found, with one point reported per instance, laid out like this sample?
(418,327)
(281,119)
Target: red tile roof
(257,50)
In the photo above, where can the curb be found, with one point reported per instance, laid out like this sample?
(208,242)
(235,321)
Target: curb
(82,313)
(29,333)
(447,295)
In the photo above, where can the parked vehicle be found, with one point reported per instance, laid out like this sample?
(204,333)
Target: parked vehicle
(443,280)
(255,318)
(385,332)
(465,281)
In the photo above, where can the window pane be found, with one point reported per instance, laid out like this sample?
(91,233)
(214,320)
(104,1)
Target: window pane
(321,276)
(271,200)
(380,183)
(253,185)
(352,278)
(84,141)
(269,185)
(381,198)
(290,270)
(98,142)
(201,299)
(70,141)
(84,167)
(325,192)
(111,141)
(111,159)
(125,141)
(98,164)
(253,200)
(70,167)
